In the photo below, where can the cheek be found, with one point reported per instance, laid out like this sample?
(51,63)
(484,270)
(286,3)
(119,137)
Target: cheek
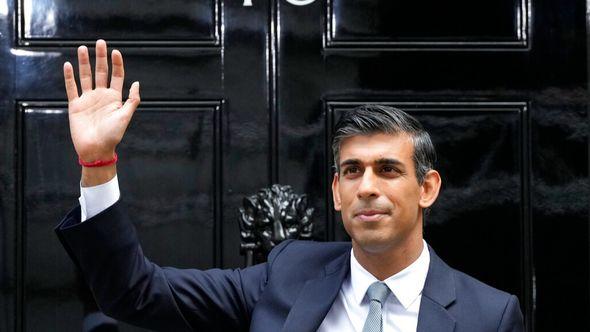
(347,193)
(404,197)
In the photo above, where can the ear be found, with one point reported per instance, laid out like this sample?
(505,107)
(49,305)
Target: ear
(336,192)
(430,189)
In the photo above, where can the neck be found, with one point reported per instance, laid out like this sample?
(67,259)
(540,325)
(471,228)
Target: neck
(385,263)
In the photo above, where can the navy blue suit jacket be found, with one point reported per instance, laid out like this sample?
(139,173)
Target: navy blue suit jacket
(293,291)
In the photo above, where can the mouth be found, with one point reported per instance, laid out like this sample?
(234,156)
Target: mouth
(370,215)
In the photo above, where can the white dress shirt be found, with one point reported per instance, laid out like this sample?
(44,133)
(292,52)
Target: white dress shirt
(351,307)
(94,200)
(400,310)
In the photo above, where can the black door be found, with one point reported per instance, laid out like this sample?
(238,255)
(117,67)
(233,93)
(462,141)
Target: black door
(501,85)
(238,96)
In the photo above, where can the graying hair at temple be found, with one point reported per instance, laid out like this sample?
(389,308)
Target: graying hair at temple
(371,119)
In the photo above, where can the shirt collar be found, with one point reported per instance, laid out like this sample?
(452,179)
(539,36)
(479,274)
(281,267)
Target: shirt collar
(406,285)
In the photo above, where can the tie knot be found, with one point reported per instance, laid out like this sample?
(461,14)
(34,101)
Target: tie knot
(378,291)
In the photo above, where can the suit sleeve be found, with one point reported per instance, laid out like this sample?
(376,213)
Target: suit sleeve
(512,320)
(130,288)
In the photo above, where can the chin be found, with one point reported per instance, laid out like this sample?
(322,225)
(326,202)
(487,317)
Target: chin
(374,244)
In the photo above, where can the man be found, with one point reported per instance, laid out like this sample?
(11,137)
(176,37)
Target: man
(390,280)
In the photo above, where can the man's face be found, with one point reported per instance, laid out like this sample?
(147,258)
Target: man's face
(377,191)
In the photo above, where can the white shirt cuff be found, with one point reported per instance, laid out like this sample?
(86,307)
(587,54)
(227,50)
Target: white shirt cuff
(94,200)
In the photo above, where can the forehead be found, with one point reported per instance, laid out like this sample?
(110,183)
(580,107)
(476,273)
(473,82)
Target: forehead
(368,148)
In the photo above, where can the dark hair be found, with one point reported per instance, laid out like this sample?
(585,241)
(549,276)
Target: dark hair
(370,119)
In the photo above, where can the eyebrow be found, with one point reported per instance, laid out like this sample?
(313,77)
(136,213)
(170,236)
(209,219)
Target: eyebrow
(380,161)
(388,161)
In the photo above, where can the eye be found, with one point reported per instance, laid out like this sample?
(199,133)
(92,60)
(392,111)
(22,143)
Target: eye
(387,169)
(351,170)
(390,170)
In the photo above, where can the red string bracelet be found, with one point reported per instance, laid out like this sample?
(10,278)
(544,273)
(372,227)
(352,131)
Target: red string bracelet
(98,163)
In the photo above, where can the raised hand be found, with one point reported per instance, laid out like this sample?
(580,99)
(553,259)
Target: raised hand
(98,118)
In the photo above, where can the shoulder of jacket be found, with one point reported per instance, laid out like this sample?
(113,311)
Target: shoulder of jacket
(303,252)
(478,294)
(465,281)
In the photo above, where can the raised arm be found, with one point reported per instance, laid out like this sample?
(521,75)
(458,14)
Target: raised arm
(98,118)
(130,288)
(125,284)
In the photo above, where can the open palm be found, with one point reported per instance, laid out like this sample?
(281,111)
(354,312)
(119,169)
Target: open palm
(98,118)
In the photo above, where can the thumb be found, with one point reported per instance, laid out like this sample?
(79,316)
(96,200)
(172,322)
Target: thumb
(133,101)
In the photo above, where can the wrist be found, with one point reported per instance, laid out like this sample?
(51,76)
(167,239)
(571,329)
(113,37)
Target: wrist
(99,162)
(96,156)
(98,167)
(94,176)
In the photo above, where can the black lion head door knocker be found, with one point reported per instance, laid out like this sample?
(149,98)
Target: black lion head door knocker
(271,216)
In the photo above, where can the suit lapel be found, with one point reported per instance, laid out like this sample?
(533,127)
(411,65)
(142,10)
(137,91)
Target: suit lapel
(317,296)
(438,294)
(434,317)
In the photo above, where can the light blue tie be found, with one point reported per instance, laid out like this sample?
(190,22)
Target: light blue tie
(377,293)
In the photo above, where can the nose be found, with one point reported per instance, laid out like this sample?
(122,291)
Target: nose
(368,186)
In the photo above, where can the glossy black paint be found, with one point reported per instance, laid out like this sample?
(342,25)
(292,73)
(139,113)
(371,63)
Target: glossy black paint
(237,98)
(506,108)
(47,22)
(428,24)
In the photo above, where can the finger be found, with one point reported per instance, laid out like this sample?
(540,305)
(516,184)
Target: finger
(70,81)
(118,75)
(133,101)
(84,69)
(102,66)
